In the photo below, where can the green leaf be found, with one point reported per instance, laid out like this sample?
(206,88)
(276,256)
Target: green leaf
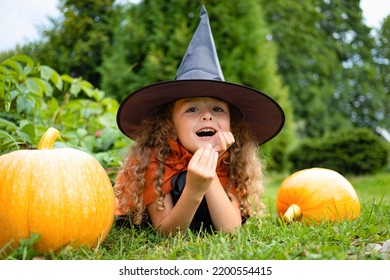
(13,65)
(88,91)
(2,86)
(7,141)
(25,59)
(46,87)
(82,132)
(46,72)
(25,104)
(33,86)
(27,134)
(98,94)
(56,80)
(88,142)
(49,74)
(75,88)
(13,94)
(26,71)
(110,104)
(67,78)
(52,105)
(86,84)
(29,130)
(6,125)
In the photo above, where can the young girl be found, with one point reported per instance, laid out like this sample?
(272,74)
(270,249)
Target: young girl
(194,162)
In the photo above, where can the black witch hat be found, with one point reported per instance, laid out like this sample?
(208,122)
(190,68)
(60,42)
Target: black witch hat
(200,75)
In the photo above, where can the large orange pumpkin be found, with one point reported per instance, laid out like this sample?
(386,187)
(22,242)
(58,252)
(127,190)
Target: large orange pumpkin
(62,194)
(317,194)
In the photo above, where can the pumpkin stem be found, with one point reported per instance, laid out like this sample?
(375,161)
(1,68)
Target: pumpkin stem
(293,212)
(48,139)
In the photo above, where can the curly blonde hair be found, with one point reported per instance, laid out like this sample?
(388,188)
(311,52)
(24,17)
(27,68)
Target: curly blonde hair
(244,167)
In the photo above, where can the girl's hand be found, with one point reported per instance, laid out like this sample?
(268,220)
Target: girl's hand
(201,168)
(223,141)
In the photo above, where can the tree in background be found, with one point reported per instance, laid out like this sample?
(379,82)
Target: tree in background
(383,65)
(359,94)
(157,36)
(149,41)
(306,65)
(325,57)
(75,44)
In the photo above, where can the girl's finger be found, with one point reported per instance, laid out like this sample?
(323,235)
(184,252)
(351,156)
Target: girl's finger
(229,138)
(226,139)
(201,155)
(207,156)
(222,141)
(196,157)
(211,160)
(214,161)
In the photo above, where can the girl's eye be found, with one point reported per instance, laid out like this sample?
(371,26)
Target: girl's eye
(191,110)
(217,109)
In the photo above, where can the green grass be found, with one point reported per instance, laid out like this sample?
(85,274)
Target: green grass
(373,187)
(265,238)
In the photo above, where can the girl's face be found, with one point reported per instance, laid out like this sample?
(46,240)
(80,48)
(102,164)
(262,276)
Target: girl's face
(196,121)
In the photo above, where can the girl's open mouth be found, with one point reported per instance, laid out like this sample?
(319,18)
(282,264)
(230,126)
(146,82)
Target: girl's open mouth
(206,132)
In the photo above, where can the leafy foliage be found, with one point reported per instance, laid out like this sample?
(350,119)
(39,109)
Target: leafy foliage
(76,41)
(383,62)
(356,151)
(34,97)
(325,57)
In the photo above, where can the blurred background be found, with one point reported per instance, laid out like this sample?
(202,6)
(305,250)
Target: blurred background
(68,64)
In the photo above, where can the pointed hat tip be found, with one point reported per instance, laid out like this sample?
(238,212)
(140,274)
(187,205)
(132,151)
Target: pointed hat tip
(201,59)
(203,13)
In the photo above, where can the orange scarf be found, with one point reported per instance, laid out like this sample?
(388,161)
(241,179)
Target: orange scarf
(174,164)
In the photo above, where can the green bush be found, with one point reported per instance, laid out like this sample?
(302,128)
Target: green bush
(34,97)
(348,151)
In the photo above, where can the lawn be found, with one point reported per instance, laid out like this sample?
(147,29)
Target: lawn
(266,238)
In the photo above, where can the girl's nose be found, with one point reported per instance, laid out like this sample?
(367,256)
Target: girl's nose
(207,116)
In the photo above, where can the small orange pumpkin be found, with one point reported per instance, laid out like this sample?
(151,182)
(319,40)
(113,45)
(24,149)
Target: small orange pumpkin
(317,194)
(64,195)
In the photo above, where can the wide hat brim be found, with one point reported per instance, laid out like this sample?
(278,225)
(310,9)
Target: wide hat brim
(263,114)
